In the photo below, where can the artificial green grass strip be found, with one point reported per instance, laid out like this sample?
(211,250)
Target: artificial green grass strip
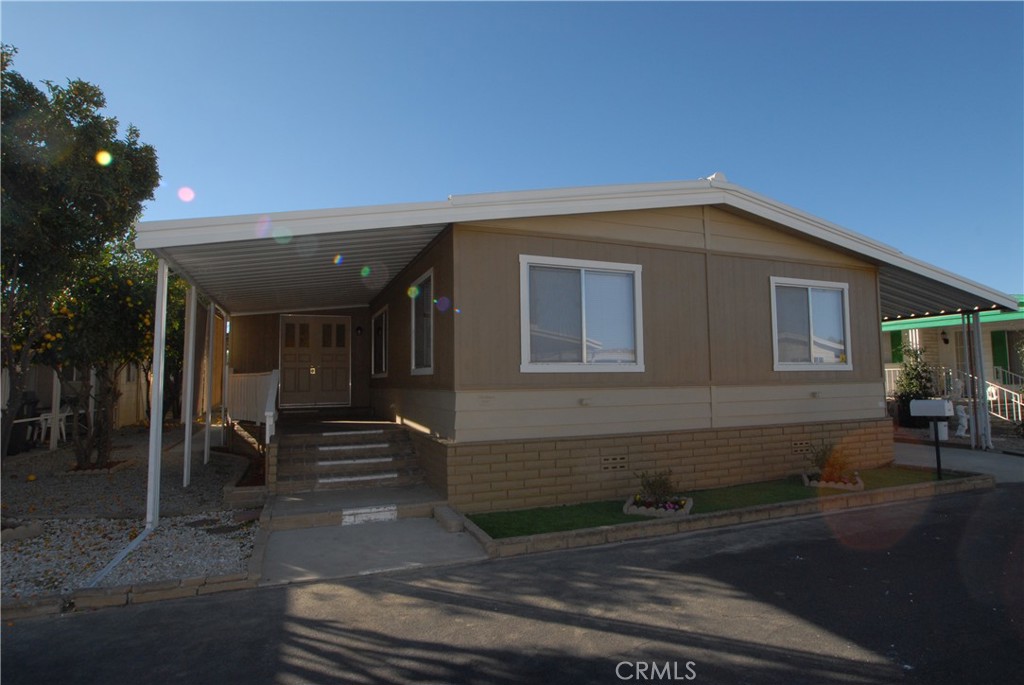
(505,524)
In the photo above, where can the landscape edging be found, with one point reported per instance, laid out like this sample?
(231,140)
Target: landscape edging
(586,537)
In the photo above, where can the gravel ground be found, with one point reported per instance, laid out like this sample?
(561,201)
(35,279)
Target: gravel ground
(87,519)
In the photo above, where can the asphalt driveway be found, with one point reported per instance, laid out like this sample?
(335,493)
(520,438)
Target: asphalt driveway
(923,592)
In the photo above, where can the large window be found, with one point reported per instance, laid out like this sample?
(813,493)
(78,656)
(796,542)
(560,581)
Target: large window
(580,315)
(421,295)
(810,325)
(379,327)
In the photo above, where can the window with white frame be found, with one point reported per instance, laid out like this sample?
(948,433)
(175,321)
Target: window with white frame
(421,295)
(580,315)
(379,333)
(810,325)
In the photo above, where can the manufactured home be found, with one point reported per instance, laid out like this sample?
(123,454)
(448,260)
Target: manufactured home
(542,347)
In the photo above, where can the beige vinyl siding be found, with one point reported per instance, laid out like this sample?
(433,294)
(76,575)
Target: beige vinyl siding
(741,324)
(437,257)
(508,415)
(254,343)
(556,413)
(488,330)
(731,233)
(744,405)
(427,410)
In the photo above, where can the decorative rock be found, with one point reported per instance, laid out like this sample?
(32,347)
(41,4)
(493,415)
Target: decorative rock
(19,530)
(630,508)
(856,486)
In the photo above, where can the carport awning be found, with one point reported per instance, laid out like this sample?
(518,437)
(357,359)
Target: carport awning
(325,259)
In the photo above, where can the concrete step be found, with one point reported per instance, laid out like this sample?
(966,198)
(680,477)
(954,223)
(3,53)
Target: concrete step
(293,484)
(348,507)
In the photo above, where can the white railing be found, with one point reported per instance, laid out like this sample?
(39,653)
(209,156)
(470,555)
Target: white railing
(1002,401)
(253,397)
(1008,378)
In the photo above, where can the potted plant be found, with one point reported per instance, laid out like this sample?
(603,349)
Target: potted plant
(657,496)
(915,382)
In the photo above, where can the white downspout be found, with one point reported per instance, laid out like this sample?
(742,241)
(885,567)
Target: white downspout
(156,416)
(188,390)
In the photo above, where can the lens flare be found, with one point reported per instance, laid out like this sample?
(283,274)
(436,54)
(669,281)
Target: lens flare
(104,158)
(282,234)
(413,292)
(263,227)
(443,304)
(364,272)
(338,259)
(186,194)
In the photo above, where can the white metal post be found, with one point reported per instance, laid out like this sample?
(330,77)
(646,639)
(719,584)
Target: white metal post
(156,415)
(224,388)
(985,425)
(189,387)
(969,380)
(55,408)
(211,321)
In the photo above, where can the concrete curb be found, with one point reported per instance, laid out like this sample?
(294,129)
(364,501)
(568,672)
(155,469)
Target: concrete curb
(587,537)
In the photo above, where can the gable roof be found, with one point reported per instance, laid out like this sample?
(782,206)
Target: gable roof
(288,261)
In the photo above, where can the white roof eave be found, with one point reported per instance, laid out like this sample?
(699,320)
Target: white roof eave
(167,237)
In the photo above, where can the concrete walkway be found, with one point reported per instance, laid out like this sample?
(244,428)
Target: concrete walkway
(1006,468)
(344,533)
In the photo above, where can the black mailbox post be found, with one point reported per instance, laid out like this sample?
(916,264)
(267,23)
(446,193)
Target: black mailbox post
(935,409)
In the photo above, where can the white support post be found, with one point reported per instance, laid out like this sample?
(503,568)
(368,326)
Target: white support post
(156,416)
(211,321)
(968,380)
(224,388)
(985,425)
(55,409)
(188,391)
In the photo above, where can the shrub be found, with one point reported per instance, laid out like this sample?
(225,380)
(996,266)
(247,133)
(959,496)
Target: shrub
(656,487)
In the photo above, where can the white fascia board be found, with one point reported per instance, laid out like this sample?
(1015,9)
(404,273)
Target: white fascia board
(553,202)
(512,205)
(180,232)
(810,225)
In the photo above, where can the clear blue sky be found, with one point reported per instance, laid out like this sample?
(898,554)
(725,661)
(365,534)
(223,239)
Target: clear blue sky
(904,122)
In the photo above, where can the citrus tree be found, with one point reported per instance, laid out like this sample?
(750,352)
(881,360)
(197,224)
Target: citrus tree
(101,323)
(70,186)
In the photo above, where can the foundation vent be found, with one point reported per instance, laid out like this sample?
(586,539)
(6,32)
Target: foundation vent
(802,447)
(613,463)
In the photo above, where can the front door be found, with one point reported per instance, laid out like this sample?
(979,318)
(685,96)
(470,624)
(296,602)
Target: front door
(316,361)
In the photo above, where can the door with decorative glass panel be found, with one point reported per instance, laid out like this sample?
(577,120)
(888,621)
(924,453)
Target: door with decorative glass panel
(316,361)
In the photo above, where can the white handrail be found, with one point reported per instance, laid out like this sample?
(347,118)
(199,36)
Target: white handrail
(1007,377)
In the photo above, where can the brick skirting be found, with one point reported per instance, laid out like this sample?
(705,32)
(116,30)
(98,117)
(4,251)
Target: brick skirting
(519,474)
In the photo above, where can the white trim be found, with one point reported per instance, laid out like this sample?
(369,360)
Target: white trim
(844,288)
(429,369)
(527,366)
(383,311)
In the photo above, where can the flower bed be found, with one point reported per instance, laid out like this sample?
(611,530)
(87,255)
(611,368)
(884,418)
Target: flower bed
(677,506)
(853,484)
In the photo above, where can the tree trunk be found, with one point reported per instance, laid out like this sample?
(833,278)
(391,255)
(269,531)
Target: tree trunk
(107,394)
